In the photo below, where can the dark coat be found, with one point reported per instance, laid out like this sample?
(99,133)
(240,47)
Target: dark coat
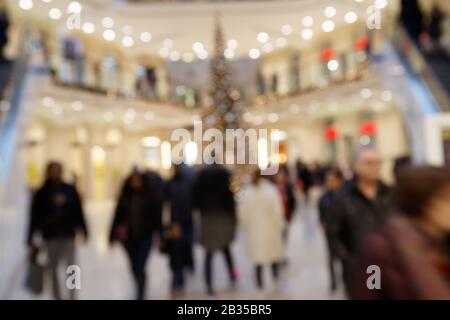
(56,211)
(215,200)
(137,217)
(353,217)
(325,203)
(4,25)
(180,194)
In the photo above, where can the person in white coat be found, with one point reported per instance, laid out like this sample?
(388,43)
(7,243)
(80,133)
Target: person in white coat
(261,217)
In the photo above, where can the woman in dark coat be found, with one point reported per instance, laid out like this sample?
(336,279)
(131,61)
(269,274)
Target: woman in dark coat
(215,200)
(136,218)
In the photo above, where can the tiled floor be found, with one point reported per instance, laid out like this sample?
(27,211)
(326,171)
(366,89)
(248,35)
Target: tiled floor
(105,270)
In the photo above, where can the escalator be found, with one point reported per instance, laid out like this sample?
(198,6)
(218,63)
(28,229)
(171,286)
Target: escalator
(14,77)
(421,91)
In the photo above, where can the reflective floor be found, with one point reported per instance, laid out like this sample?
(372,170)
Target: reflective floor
(105,270)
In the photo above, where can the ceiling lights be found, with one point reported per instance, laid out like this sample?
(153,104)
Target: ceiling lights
(26,4)
(108,22)
(146,37)
(254,53)
(109,35)
(328,26)
(351,17)
(88,27)
(55,14)
(307,21)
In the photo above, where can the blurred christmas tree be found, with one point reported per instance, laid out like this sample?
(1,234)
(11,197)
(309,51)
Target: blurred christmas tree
(223,106)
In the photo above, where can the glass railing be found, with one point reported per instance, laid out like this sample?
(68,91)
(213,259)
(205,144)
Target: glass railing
(416,65)
(12,89)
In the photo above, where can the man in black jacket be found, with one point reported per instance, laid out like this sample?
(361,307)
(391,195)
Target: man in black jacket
(359,208)
(57,214)
(334,180)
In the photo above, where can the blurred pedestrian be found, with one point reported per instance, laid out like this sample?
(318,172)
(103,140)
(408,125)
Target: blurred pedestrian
(4,26)
(286,191)
(304,178)
(215,201)
(334,180)
(136,218)
(358,209)
(262,218)
(435,29)
(57,214)
(180,197)
(412,249)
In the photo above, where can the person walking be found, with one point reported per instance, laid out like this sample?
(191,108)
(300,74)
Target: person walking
(215,201)
(412,249)
(137,217)
(334,181)
(179,196)
(57,214)
(261,215)
(359,208)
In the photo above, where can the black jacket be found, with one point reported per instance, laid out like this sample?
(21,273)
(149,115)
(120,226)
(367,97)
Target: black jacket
(180,194)
(212,192)
(353,217)
(56,212)
(138,214)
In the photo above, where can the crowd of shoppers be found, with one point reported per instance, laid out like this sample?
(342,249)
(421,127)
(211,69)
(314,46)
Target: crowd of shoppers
(403,228)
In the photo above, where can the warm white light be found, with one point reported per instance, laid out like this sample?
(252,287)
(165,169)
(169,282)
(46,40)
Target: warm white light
(380,4)
(88,27)
(307,34)
(273,117)
(333,65)
(151,142)
(268,47)
(109,35)
(351,17)
(330,12)
(175,56)
(286,29)
(229,53)
(166,155)
(190,152)
(146,37)
(55,14)
(202,55)
(127,42)
(232,44)
(263,157)
(262,37)
(281,42)
(74,7)
(308,21)
(108,22)
(198,47)
(26,4)
(366,93)
(77,105)
(328,26)
(254,53)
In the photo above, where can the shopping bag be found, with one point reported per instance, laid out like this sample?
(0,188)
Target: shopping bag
(35,276)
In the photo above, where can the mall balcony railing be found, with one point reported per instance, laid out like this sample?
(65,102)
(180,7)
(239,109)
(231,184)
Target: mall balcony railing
(417,65)
(13,75)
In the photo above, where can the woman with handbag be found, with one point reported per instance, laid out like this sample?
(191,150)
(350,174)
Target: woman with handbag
(136,218)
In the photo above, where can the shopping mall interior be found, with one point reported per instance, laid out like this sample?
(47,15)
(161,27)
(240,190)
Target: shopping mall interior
(100,86)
